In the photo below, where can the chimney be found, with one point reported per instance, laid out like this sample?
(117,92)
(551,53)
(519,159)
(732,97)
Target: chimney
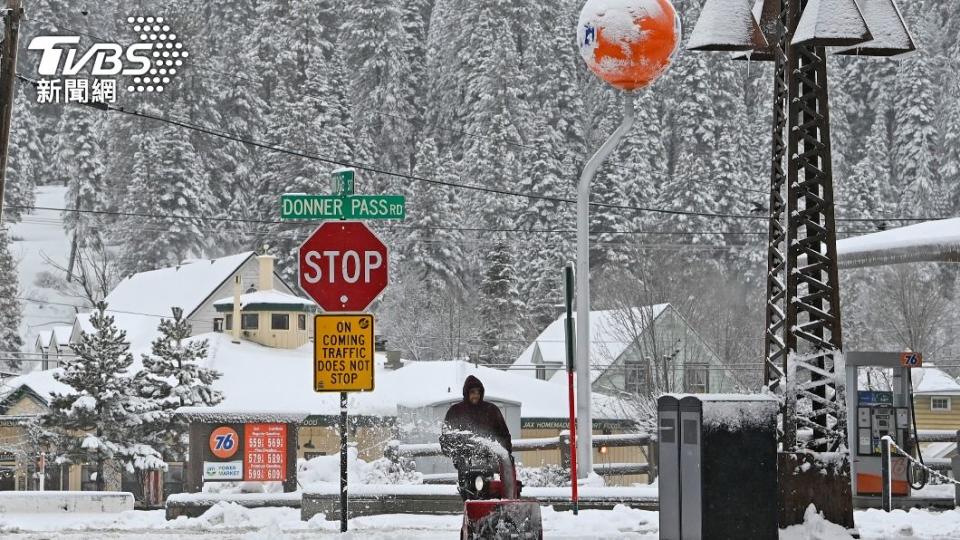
(265,283)
(237,287)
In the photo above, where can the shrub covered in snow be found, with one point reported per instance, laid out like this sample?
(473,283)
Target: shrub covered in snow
(546,476)
(326,469)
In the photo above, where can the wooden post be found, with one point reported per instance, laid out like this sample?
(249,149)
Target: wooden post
(193,483)
(290,484)
(565,449)
(653,459)
(8,78)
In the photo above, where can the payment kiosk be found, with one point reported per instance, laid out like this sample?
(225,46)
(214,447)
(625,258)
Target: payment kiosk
(874,414)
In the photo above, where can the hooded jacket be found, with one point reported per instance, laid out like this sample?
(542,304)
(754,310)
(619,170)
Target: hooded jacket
(484,418)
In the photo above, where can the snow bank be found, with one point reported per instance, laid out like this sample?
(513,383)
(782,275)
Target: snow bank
(64,501)
(325,470)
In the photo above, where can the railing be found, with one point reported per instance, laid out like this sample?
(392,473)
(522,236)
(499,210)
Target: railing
(395,451)
(888,448)
(939,435)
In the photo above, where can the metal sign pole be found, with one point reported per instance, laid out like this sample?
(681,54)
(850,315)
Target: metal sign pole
(568,275)
(343,462)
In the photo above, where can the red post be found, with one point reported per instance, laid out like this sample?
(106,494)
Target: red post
(568,275)
(573,444)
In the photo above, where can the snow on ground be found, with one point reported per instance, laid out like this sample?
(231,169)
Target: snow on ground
(231,521)
(40,234)
(228,521)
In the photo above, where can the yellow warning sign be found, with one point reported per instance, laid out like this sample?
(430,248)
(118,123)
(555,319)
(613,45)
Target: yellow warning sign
(343,353)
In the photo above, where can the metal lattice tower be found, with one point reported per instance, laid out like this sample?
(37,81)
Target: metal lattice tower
(802,337)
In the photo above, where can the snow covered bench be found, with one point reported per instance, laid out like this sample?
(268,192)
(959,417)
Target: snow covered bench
(88,502)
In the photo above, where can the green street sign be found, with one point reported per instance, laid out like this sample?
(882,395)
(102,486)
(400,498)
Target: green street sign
(342,181)
(321,207)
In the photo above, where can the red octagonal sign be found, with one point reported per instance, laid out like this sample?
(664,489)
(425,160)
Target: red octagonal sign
(343,266)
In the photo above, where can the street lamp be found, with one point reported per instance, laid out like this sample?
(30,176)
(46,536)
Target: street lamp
(628,44)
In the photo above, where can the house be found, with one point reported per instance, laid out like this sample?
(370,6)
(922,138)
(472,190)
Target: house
(139,302)
(936,398)
(645,350)
(50,347)
(206,290)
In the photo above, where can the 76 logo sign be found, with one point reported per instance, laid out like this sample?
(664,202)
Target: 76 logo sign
(224,442)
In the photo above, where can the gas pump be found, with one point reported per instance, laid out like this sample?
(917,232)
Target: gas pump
(874,414)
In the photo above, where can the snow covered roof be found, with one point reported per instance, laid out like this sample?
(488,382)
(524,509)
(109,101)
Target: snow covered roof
(266,297)
(41,383)
(62,334)
(185,286)
(43,338)
(263,380)
(611,332)
(727,26)
(831,22)
(141,329)
(928,241)
(932,381)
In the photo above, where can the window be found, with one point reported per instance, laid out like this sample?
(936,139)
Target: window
(218,324)
(302,322)
(541,372)
(279,321)
(88,478)
(228,321)
(635,379)
(173,479)
(940,404)
(696,378)
(249,321)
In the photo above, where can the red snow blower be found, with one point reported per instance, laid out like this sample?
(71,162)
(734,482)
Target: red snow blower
(487,481)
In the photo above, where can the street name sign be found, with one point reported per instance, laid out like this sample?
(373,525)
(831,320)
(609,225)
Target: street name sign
(343,353)
(343,266)
(295,206)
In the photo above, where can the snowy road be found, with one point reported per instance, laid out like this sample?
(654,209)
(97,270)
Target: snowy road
(229,522)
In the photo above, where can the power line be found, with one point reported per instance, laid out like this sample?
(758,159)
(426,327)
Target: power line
(297,224)
(377,170)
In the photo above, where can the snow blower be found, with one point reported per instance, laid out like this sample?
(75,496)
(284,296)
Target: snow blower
(487,481)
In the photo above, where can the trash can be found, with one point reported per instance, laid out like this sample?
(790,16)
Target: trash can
(718,466)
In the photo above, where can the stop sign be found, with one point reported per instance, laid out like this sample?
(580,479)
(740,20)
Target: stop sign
(343,266)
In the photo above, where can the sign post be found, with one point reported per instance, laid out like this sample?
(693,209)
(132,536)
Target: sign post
(344,268)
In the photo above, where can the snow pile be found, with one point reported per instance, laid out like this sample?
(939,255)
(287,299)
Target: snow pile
(322,470)
(815,527)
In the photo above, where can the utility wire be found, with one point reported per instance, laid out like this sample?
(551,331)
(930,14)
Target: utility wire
(297,224)
(377,170)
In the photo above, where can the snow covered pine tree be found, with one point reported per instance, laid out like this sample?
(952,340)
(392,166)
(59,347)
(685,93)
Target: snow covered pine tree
(172,377)
(99,419)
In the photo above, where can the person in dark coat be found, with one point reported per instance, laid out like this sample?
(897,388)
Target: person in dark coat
(477,416)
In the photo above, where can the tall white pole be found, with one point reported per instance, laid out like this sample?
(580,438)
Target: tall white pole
(584,412)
